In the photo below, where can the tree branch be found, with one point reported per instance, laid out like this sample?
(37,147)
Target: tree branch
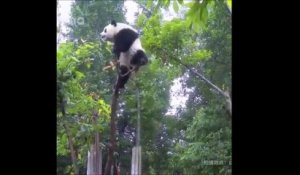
(202,77)
(145,8)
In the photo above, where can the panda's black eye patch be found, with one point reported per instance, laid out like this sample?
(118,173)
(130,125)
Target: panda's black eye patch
(105,30)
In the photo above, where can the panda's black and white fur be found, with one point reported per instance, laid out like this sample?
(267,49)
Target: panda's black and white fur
(127,47)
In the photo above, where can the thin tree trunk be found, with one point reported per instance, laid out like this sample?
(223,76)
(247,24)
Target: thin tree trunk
(98,162)
(112,144)
(71,144)
(91,160)
(94,165)
(73,152)
(136,160)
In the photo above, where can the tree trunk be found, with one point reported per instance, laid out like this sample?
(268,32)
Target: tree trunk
(73,153)
(94,165)
(136,161)
(112,144)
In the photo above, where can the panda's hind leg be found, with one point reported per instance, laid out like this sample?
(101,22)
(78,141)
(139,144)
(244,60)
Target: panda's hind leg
(139,58)
(123,77)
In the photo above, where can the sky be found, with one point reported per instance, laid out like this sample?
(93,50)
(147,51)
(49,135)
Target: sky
(63,16)
(129,16)
(178,98)
(177,95)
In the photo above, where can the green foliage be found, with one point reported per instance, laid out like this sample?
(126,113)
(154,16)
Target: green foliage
(197,15)
(218,40)
(210,140)
(168,41)
(79,104)
(141,20)
(104,110)
(62,144)
(149,3)
(69,77)
(197,56)
(151,38)
(175,6)
(198,136)
(63,164)
(180,1)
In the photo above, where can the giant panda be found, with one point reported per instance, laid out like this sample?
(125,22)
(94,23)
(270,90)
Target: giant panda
(127,47)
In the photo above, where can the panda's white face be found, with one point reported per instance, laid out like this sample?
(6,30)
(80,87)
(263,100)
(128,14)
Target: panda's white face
(108,33)
(111,30)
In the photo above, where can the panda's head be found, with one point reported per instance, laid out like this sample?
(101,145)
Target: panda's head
(109,31)
(112,29)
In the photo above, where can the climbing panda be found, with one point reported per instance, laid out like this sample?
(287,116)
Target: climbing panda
(127,47)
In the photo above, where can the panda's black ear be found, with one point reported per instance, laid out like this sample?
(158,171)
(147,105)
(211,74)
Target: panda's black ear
(113,22)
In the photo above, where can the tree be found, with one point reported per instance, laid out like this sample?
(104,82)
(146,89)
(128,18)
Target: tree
(76,107)
(90,17)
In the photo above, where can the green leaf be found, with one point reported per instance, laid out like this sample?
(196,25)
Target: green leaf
(197,26)
(190,4)
(149,3)
(197,56)
(180,1)
(229,4)
(75,59)
(196,19)
(79,75)
(140,22)
(193,9)
(101,102)
(97,127)
(59,54)
(73,131)
(167,3)
(64,139)
(189,23)
(204,15)
(88,65)
(175,6)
